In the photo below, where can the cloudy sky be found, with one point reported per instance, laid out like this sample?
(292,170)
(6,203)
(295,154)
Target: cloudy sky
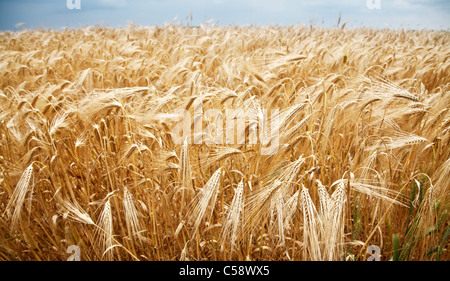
(55,14)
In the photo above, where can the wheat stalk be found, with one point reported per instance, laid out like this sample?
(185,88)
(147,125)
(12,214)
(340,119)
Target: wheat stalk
(234,218)
(206,198)
(18,197)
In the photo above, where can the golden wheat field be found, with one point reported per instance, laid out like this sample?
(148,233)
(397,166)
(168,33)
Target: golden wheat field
(298,143)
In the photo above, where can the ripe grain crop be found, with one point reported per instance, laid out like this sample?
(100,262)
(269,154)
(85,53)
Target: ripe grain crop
(89,153)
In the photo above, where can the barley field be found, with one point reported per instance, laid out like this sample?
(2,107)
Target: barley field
(356,165)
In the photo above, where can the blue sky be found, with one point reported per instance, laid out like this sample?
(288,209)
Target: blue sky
(415,14)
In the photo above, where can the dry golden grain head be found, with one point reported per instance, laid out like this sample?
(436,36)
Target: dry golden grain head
(185,166)
(232,227)
(14,207)
(205,199)
(105,231)
(76,213)
(311,225)
(132,215)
